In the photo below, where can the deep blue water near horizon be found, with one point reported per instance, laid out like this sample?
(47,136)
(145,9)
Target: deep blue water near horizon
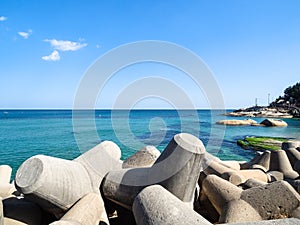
(25,133)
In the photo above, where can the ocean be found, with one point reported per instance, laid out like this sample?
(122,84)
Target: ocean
(25,133)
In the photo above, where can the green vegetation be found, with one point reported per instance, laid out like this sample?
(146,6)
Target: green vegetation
(261,143)
(291,95)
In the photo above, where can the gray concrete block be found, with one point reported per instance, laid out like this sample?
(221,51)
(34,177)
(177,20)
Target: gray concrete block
(274,176)
(145,157)
(280,162)
(233,177)
(272,200)
(220,191)
(177,169)
(238,211)
(296,213)
(5,174)
(87,211)
(56,184)
(289,221)
(1,212)
(263,161)
(155,205)
(59,182)
(253,161)
(206,209)
(291,144)
(250,183)
(99,160)
(241,176)
(293,155)
(6,190)
(216,168)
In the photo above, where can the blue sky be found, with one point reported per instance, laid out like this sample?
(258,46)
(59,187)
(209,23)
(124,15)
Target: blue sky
(251,46)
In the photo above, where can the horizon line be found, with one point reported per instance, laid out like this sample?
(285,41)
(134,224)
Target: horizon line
(3,109)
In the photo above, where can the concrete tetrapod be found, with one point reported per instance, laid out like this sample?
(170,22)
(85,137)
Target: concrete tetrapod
(272,200)
(214,167)
(1,212)
(226,197)
(280,162)
(290,145)
(99,160)
(246,213)
(260,161)
(177,169)
(155,205)
(5,174)
(220,191)
(145,157)
(289,221)
(263,162)
(234,176)
(292,153)
(251,182)
(87,211)
(56,184)
(6,188)
(242,176)
(253,161)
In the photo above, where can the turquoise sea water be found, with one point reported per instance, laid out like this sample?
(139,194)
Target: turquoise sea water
(24,133)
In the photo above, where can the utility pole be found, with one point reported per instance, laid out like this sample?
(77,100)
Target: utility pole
(255,101)
(268,99)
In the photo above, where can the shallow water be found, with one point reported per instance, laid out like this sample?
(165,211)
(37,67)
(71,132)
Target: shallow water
(24,133)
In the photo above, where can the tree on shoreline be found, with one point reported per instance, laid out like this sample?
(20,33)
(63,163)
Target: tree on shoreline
(291,96)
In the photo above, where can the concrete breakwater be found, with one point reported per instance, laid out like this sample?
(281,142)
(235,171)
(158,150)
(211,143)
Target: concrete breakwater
(182,185)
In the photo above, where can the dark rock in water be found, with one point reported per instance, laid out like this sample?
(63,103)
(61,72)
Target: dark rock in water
(274,123)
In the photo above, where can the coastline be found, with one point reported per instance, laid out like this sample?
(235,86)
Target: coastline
(266,112)
(211,190)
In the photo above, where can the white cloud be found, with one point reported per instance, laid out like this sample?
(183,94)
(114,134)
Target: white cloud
(66,45)
(3,18)
(98,46)
(54,56)
(25,34)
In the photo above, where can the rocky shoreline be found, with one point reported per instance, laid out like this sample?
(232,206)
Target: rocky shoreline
(267,112)
(182,185)
(250,122)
